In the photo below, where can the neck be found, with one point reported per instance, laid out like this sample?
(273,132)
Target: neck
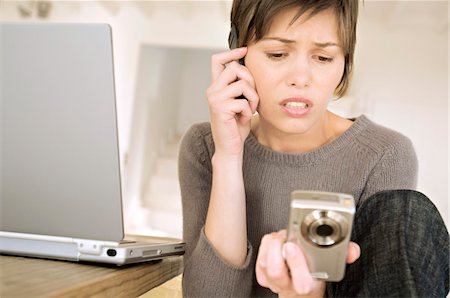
(324,132)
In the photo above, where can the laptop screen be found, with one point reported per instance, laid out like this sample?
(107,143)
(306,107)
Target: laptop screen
(59,160)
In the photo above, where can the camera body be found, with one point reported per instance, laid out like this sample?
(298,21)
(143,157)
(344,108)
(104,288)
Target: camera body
(321,223)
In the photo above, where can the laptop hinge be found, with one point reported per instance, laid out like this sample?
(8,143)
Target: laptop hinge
(92,247)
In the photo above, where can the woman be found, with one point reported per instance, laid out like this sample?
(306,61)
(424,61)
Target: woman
(237,172)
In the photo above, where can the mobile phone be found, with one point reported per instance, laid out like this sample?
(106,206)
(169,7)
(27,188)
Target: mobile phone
(233,43)
(321,224)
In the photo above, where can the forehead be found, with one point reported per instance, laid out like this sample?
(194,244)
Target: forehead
(323,24)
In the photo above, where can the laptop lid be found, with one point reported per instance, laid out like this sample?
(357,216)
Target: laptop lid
(59,159)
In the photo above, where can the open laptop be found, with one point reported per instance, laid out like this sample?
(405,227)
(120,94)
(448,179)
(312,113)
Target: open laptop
(60,188)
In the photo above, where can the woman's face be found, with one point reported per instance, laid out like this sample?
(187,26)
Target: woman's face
(296,70)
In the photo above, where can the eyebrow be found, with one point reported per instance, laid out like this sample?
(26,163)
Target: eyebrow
(326,44)
(283,40)
(289,41)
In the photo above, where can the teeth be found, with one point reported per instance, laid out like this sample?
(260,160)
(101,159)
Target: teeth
(296,105)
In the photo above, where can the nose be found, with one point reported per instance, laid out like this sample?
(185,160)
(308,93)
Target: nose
(300,72)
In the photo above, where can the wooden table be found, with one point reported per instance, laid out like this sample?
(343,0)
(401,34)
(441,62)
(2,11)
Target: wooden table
(30,277)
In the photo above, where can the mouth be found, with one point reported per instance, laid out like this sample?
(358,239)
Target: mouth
(296,106)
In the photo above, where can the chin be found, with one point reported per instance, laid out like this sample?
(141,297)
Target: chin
(288,125)
(292,127)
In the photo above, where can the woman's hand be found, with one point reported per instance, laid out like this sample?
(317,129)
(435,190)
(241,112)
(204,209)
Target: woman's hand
(290,277)
(230,117)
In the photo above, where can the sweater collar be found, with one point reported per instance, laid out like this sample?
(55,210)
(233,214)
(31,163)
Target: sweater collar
(252,146)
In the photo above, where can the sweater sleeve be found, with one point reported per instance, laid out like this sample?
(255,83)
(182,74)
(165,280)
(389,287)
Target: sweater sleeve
(205,273)
(396,169)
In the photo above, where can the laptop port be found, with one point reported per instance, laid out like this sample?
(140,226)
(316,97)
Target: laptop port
(111,252)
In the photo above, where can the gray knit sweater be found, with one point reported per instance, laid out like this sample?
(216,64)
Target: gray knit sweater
(367,158)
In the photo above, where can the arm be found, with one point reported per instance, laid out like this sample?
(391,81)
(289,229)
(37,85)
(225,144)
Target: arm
(206,273)
(225,225)
(221,247)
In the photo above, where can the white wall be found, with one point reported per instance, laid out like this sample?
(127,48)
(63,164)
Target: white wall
(401,74)
(196,78)
(154,115)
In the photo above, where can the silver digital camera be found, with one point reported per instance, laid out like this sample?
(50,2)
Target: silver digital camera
(321,223)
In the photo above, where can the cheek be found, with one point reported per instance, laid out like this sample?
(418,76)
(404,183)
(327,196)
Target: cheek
(266,89)
(261,89)
(330,80)
(264,82)
(339,73)
(262,73)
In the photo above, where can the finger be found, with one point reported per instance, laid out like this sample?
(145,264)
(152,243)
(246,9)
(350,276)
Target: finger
(232,92)
(354,252)
(277,272)
(261,263)
(302,281)
(233,72)
(252,97)
(261,277)
(243,88)
(218,61)
(243,112)
(239,88)
(227,111)
(282,234)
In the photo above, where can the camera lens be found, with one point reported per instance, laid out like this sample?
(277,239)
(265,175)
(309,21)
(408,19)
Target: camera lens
(324,230)
(324,227)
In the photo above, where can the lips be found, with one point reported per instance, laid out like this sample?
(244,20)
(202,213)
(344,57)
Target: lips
(296,106)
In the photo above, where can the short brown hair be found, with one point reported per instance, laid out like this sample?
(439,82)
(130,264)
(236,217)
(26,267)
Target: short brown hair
(252,20)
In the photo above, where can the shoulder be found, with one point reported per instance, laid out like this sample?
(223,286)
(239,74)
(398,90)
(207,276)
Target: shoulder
(198,130)
(380,139)
(393,155)
(197,139)
(392,158)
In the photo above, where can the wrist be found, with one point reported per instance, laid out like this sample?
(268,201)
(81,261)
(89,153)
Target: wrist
(227,159)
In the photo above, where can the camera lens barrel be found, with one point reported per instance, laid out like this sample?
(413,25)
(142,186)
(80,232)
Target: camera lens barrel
(324,227)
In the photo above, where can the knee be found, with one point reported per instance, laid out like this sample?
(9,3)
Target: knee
(399,206)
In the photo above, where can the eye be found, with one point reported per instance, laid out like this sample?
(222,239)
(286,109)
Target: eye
(276,56)
(324,59)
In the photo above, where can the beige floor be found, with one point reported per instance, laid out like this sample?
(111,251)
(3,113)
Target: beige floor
(169,289)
